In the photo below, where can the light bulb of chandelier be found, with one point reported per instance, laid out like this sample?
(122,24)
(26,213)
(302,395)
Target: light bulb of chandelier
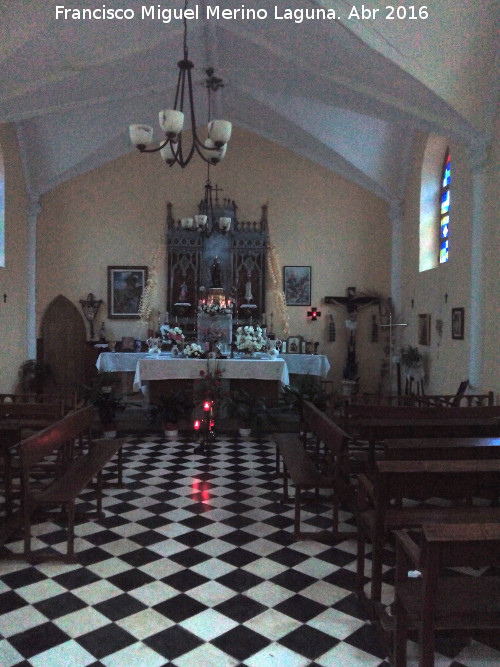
(224,224)
(219,132)
(212,155)
(167,153)
(141,135)
(171,122)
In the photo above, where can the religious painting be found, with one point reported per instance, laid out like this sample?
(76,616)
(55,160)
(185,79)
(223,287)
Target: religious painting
(297,285)
(424,329)
(457,323)
(125,285)
(294,345)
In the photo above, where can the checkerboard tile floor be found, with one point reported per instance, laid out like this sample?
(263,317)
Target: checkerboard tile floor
(194,565)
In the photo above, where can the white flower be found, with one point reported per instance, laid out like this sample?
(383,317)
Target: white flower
(249,339)
(193,350)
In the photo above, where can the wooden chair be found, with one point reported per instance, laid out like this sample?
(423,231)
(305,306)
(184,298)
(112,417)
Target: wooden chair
(442,599)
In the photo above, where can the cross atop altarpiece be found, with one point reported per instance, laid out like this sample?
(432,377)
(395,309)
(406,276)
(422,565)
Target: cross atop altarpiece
(352,304)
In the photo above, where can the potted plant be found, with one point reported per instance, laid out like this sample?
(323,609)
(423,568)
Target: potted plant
(170,408)
(103,395)
(248,409)
(33,375)
(411,357)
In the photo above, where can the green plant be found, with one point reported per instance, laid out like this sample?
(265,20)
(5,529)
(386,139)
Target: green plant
(248,409)
(103,395)
(171,407)
(306,388)
(33,375)
(411,357)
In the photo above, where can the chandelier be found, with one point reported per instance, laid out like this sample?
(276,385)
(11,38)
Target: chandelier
(211,215)
(213,148)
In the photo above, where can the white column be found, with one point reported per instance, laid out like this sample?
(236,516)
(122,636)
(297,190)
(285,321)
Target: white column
(396,218)
(478,157)
(34,209)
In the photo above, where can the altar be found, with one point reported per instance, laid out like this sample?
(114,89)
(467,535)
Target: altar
(241,373)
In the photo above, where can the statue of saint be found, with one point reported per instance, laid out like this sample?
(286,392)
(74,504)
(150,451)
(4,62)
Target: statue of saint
(216,273)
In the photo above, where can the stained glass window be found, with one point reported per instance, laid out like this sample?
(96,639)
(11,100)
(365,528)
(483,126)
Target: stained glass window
(444,231)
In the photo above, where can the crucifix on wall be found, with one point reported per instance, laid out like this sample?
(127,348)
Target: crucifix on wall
(352,304)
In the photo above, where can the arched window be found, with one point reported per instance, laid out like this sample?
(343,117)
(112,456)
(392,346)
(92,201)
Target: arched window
(431,193)
(2,210)
(444,227)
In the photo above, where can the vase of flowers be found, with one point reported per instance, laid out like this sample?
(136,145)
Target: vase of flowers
(193,351)
(249,340)
(172,336)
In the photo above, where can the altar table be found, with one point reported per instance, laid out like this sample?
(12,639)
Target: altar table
(307,364)
(148,369)
(119,362)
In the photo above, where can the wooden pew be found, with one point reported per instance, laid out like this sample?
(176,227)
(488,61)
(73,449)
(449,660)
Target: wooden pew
(441,448)
(371,424)
(73,473)
(440,599)
(317,459)
(423,400)
(379,510)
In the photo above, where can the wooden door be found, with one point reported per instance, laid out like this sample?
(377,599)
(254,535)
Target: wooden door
(63,344)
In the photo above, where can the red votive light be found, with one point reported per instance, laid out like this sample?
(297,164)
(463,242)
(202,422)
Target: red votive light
(197,425)
(206,406)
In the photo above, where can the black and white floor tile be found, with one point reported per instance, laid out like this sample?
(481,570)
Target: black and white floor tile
(195,565)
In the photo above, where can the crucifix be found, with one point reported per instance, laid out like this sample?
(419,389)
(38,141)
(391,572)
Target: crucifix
(390,326)
(352,303)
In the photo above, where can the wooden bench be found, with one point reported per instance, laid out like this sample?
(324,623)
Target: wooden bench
(423,400)
(441,448)
(317,459)
(440,599)
(379,509)
(31,415)
(369,424)
(416,413)
(73,473)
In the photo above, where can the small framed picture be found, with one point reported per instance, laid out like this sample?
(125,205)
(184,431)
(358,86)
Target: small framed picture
(424,329)
(297,285)
(125,285)
(294,345)
(309,347)
(457,323)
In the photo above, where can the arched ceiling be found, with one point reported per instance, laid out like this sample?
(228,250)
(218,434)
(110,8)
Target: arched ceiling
(346,93)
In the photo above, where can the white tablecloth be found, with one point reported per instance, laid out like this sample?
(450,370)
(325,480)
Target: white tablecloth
(307,364)
(189,369)
(115,362)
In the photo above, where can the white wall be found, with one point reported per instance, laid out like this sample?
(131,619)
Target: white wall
(13,277)
(447,359)
(115,215)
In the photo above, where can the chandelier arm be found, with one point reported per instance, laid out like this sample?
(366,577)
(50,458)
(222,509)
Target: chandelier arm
(154,150)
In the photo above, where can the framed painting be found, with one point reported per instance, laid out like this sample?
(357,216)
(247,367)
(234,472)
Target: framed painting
(294,345)
(125,285)
(297,285)
(457,323)
(424,329)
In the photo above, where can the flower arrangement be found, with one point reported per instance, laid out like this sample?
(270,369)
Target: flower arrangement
(210,384)
(175,334)
(213,309)
(193,351)
(249,339)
